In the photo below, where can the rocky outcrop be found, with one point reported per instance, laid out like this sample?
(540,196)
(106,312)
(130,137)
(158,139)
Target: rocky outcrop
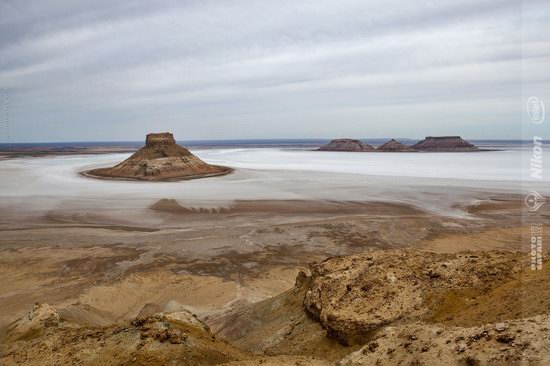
(394,146)
(509,343)
(444,144)
(394,307)
(378,288)
(43,337)
(346,145)
(35,323)
(279,326)
(160,160)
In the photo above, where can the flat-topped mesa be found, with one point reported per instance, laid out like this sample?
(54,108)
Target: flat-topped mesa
(164,138)
(444,144)
(161,159)
(346,145)
(395,146)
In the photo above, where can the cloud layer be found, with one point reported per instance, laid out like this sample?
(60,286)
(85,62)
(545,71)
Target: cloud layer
(98,70)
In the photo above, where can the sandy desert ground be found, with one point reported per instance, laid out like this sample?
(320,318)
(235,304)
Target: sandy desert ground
(141,248)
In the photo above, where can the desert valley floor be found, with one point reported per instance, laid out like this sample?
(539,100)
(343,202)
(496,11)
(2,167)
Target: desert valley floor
(230,249)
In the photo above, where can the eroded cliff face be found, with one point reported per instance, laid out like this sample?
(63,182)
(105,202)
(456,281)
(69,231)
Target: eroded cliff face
(444,143)
(353,296)
(346,145)
(160,159)
(404,307)
(160,139)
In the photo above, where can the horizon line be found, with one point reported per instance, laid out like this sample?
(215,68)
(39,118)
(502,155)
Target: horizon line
(249,139)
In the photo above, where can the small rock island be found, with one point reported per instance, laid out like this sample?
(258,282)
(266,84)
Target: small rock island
(395,146)
(161,159)
(429,144)
(444,144)
(346,145)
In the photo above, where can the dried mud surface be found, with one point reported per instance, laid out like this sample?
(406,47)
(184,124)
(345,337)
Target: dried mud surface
(236,269)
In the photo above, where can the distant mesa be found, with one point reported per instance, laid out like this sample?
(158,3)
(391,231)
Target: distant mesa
(444,144)
(161,159)
(346,145)
(430,143)
(395,146)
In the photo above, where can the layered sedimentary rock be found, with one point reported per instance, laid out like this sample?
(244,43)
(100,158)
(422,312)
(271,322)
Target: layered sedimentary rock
(160,159)
(346,145)
(404,307)
(379,288)
(444,143)
(47,337)
(395,146)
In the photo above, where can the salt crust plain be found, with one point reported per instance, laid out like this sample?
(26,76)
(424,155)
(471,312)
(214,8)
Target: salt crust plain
(433,181)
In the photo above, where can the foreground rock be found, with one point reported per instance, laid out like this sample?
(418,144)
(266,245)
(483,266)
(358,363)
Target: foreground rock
(428,344)
(160,160)
(381,307)
(280,361)
(353,296)
(35,323)
(444,144)
(397,307)
(346,145)
(44,337)
(394,146)
(279,326)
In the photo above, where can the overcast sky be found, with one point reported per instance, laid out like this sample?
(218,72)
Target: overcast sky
(115,70)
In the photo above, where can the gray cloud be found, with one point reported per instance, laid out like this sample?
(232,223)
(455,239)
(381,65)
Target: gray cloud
(271,69)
